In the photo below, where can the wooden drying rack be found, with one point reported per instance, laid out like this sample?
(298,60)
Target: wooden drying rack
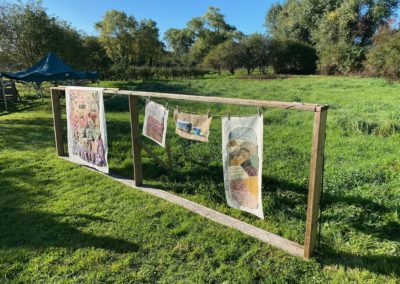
(316,163)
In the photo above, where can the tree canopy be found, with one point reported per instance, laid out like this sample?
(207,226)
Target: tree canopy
(200,35)
(27,33)
(339,29)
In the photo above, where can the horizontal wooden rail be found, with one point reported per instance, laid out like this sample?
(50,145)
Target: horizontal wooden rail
(219,100)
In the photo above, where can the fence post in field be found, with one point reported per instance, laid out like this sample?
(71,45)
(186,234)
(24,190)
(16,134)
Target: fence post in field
(135,134)
(55,103)
(315,183)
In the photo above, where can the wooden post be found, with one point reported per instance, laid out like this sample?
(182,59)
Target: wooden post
(314,191)
(136,149)
(4,94)
(55,102)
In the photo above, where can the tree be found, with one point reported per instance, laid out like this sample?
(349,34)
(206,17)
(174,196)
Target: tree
(27,33)
(292,57)
(255,52)
(344,34)
(225,55)
(213,60)
(117,34)
(296,20)
(180,41)
(201,35)
(96,55)
(383,59)
(148,46)
(128,41)
(341,30)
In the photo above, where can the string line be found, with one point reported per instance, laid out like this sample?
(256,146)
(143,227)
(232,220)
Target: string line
(147,99)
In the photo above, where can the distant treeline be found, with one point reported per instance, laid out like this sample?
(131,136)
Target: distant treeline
(302,37)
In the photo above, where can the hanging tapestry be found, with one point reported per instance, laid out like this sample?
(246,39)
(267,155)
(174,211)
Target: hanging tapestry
(86,124)
(155,122)
(242,146)
(192,126)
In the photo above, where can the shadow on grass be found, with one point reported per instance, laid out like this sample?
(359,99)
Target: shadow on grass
(21,226)
(36,229)
(381,264)
(25,105)
(23,134)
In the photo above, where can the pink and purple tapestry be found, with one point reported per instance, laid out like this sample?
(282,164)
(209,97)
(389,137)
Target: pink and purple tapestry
(86,122)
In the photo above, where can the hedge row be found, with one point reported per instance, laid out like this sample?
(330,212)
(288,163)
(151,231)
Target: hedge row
(144,73)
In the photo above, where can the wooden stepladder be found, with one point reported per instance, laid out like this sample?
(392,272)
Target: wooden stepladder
(316,163)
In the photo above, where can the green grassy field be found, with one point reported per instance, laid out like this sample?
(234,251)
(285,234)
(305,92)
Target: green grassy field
(60,222)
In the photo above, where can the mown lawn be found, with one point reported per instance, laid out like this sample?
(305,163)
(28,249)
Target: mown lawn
(62,223)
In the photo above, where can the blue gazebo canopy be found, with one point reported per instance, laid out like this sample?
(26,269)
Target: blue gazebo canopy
(50,68)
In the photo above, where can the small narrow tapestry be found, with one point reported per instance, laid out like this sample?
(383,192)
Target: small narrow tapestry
(192,126)
(155,122)
(242,146)
(86,123)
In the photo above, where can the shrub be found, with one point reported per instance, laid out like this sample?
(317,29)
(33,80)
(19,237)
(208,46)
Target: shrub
(292,57)
(383,59)
(118,72)
(340,58)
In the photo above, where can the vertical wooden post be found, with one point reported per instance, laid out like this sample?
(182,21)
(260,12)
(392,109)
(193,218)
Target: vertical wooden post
(4,94)
(55,102)
(314,191)
(136,149)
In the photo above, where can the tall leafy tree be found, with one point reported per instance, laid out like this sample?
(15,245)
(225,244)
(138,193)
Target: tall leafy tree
(226,55)
(340,29)
(180,41)
(27,33)
(255,52)
(295,19)
(345,33)
(149,47)
(95,54)
(128,41)
(201,35)
(383,59)
(117,35)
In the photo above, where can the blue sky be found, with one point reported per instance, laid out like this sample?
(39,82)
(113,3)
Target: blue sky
(246,15)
